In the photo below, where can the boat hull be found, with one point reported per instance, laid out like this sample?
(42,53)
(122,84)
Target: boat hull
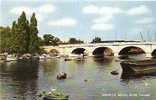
(136,69)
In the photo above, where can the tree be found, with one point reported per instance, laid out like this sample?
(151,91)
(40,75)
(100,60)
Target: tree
(5,39)
(22,37)
(33,35)
(96,40)
(51,40)
(41,41)
(15,45)
(47,39)
(74,41)
(23,34)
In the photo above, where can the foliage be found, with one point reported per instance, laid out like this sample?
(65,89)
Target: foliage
(49,39)
(21,37)
(5,39)
(33,38)
(74,41)
(96,40)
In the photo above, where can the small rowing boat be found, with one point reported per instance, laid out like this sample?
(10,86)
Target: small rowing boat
(143,67)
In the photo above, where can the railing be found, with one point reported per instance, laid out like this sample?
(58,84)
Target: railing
(103,44)
(108,44)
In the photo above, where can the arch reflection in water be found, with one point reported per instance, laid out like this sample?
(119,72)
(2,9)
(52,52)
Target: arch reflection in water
(20,78)
(102,60)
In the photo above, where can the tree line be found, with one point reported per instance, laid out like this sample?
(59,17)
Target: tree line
(22,37)
(49,39)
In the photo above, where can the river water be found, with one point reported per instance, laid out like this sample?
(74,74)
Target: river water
(87,80)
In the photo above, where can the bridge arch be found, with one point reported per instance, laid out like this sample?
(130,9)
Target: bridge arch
(130,50)
(103,51)
(154,53)
(53,52)
(78,51)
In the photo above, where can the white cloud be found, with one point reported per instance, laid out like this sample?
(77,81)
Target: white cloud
(103,19)
(102,27)
(110,10)
(64,22)
(47,8)
(139,11)
(104,10)
(145,21)
(106,14)
(91,9)
(19,10)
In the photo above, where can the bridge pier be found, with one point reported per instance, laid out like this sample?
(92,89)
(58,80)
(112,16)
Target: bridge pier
(148,55)
(116,54)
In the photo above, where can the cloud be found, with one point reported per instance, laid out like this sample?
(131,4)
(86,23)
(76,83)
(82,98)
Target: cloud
(46,8)
(19,10)
(104,10)
(110,10)
(91,9)
(105,15)
(139,11)
(64,22)
(41,11)
(145,21)
(103,19)
(102,27)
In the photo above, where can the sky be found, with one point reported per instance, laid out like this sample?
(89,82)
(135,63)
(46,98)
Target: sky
(86,19)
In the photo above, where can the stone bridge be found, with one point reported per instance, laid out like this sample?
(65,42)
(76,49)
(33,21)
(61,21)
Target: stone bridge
(115,48)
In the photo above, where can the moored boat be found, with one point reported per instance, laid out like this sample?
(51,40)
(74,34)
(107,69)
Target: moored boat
(143,67)
(11,58)
(54,95)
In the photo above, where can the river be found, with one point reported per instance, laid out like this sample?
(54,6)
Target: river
(90,79)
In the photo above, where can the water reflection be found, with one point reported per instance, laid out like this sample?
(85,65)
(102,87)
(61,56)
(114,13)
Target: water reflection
(133,57)
(19,80)
(50,66)
(102,60)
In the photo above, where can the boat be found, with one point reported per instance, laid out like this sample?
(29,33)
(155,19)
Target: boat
(141,67)
(11,58)
(67,59)
(53,95)
(3,57)
(45,56)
